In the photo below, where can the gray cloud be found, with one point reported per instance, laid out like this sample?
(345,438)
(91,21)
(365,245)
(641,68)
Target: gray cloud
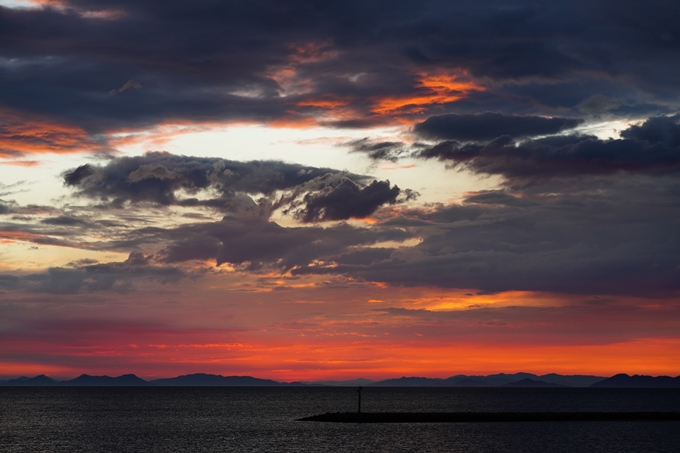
(65,221)
(85,278)
(653,147)
(347,200)
(612,235)
(376,150)
(313,194)
(130,84)
(209,61)
(661,130)
(487,126)
(604,232)
(257,244)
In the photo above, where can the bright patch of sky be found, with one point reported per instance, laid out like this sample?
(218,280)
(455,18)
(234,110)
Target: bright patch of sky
(317,147)
(19,4)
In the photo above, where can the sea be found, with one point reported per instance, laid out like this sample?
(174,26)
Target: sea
(265,419)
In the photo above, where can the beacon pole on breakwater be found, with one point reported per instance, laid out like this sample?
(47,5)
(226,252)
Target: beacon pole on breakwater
(359,392)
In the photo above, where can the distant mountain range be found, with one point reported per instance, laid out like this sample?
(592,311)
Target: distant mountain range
(130,380)
(518,380)
(494,380)
(637,381)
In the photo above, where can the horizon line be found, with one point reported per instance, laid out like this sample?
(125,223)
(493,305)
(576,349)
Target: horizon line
(150,379)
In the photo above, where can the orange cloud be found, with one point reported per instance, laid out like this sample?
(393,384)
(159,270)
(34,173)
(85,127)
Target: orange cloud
(398,167)
(293,122)
(440,88)
(22,133)
(430,89)
(21,163)
(14,236)
(326,102)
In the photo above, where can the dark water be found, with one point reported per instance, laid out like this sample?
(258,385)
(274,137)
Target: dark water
(263,420)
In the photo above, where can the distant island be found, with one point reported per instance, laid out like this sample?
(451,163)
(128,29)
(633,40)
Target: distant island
(517,380)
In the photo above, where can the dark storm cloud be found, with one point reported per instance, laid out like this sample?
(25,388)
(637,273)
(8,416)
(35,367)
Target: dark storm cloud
(487,126)
(117,276)
(258,244)
(248,242)
(653,147)
(607,235)
(664,131)
(264,61)
(127,190)
(312,194)
(577,214)
(348,200)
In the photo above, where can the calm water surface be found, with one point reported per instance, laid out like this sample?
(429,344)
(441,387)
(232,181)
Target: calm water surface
(264,420)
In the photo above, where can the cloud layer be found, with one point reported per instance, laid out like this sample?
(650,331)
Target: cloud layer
(310,194)
(487,126)
(652,147)
(533,232)
(95,68)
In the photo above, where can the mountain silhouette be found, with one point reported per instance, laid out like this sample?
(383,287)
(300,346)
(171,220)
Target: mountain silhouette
(38,381)
(409,382)
(466,382)
(348,383)
(527,382)
(126,380)
(214,380)
(637,381)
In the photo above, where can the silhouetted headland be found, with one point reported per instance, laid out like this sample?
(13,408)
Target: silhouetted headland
(475,417)
(126,380)
(212,380)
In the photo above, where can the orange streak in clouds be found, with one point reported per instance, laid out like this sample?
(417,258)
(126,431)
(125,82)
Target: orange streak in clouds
(432,89)
(21,163)
(328,103)
(13,236)
(294,123)
(23,133)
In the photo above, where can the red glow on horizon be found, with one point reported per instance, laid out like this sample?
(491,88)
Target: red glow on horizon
(303,358)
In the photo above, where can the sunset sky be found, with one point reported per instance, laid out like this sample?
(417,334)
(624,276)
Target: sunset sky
(308,189)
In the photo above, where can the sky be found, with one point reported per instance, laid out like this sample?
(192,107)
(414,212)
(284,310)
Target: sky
(307,190)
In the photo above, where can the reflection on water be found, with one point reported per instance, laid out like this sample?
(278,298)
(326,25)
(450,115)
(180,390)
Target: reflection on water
(263,420)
